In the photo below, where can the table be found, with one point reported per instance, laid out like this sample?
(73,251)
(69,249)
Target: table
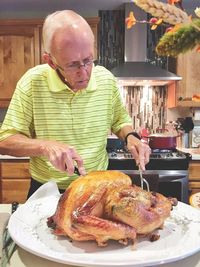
(22,258)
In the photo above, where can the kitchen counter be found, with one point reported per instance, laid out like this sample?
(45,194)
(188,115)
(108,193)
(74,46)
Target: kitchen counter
(195,152)
(22,258)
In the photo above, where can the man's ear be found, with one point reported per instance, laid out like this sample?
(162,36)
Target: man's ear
(47,59)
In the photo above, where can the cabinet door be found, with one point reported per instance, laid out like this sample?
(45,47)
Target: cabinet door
(15,169)
(93,22)
(14,190)
(19,50)
(188,69)
(15,181)
(194,176)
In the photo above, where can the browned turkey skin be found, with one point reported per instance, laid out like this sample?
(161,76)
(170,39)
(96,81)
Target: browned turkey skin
(104,205)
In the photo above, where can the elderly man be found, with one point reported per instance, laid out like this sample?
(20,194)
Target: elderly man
(61,112)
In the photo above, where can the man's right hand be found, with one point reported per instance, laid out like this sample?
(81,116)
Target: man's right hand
(63,157)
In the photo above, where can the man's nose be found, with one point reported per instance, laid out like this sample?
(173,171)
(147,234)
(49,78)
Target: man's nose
(82,65)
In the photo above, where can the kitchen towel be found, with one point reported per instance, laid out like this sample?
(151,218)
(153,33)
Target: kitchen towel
(48,189)
(4,217)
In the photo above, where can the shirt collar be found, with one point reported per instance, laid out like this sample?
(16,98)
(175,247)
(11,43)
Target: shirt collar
(57,85)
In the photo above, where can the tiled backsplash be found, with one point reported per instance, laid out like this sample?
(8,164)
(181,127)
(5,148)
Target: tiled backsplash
(111,37)
(146,106)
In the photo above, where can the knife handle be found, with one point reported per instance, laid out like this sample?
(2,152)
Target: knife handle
(14,206)
(76,171)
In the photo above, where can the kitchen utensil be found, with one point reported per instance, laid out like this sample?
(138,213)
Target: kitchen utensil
(162,141)
(188,124)
(143,180)
(76,171)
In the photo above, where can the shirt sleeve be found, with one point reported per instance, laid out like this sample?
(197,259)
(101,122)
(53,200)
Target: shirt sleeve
(19,117)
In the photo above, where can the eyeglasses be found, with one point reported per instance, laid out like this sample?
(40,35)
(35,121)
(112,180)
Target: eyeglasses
(75,66)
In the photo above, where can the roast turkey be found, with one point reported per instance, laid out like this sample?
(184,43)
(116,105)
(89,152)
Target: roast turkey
(104,205)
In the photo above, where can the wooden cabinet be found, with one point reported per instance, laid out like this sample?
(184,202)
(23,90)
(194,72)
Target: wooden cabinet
(194,176)
(14,180)
(20,49)
(93,22)
(188,69)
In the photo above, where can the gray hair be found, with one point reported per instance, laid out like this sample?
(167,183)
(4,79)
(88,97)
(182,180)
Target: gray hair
(58,20)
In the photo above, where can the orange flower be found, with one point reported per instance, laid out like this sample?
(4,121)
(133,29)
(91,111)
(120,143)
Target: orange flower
(130,20)
(155,23)
(172,2)
(173,29)
(198,49)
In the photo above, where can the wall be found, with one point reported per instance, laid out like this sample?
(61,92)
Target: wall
(15,9)
(174,113)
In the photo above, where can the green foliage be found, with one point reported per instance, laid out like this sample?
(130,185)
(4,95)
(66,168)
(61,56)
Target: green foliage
(181,40)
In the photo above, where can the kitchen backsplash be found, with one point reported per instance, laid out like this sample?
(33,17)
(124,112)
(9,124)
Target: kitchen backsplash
(146,106)
(111,37)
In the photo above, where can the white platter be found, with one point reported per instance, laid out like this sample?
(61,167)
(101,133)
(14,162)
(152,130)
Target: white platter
(180,238)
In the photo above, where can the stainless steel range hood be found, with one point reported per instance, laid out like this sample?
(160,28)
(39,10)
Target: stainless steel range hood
(136,70)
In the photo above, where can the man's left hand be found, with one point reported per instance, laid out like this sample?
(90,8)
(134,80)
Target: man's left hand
(139,150)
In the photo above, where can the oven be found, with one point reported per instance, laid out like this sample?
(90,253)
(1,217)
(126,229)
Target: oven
(166,172)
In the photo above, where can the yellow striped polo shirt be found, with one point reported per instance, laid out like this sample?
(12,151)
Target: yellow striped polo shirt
(43,107)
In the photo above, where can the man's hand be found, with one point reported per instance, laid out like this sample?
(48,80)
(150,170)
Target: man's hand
(139,150)
(63,157)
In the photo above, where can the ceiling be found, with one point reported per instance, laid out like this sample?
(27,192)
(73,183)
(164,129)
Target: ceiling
(10,8)
(99,4)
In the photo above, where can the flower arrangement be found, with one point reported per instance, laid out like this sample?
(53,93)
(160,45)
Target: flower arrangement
(182,30)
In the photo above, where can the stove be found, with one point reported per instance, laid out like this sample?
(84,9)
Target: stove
(167,170)
(160,159)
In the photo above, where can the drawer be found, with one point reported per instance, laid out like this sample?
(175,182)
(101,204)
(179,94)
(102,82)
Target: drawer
(15,170)
(194,170)
(14,190)
(195,185)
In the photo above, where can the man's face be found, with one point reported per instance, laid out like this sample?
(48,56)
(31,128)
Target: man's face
(74,59)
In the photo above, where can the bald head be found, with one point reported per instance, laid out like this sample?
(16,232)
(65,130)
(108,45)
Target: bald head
(65,27)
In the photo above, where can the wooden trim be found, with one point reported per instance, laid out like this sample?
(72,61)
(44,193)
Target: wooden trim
(37,45)
(0,185)
(4,103)
(93,20)
(171,97)
(9,22)
(27,22)
(188,104)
